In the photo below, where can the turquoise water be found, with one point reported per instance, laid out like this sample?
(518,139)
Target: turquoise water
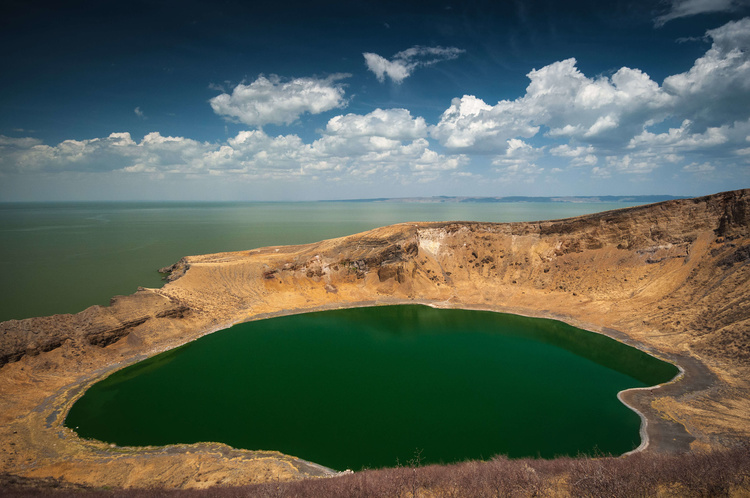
(64,257)
(370,387)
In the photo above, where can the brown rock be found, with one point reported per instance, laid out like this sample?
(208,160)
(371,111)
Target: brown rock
(671,278)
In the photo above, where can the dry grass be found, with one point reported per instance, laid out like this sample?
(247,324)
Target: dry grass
(719,473)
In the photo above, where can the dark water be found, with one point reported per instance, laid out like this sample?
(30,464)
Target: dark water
(65,257)
(370,387)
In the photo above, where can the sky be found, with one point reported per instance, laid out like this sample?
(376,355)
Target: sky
(287,100)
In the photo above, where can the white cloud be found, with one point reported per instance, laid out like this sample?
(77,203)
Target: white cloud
(432,161)
(631,164)
(579,156)
(592,109)
(117,152)
(698,168)
(75,155)
(22,143)
(275,101)
(517,152)
(681,138)
(635,164)
(560,97)
(254,154)
(622,123)
(396,124)
(602,124)
(518,149)
(519,172)
(611,118)
(471,124)
(717,88)
(139,113)
(384,142)
(378,153)
(600,172)
(518,162)
(396,70)
(687,8)
(405,62)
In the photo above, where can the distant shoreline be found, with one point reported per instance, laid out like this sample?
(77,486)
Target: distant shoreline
(645,199)
(439,199)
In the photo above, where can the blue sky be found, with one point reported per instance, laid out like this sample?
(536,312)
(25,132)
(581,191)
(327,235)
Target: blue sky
(229,100)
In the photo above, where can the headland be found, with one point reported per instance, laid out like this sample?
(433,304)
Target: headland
(672,279)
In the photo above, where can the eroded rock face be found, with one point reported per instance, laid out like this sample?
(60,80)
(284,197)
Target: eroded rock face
(97,326)
(672,278)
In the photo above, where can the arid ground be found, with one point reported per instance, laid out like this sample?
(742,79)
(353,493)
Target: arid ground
(672,279)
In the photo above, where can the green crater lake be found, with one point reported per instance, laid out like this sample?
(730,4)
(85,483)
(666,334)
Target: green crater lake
(372,387)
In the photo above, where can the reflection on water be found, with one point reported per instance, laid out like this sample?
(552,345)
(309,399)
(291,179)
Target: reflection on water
(367,387)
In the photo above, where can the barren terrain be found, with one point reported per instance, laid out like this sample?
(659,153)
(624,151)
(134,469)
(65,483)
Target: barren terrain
(671,278)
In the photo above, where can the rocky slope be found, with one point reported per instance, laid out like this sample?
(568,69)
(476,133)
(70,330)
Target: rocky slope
(671,278)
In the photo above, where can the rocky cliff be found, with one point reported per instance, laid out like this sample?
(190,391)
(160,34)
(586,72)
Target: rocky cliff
(671,278)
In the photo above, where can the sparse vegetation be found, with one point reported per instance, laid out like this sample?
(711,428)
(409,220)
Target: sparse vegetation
(719,473)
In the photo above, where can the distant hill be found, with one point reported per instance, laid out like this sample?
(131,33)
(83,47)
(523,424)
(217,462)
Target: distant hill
(645,199)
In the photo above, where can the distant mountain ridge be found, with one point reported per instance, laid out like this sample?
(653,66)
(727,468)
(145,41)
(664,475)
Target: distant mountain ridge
(646,199)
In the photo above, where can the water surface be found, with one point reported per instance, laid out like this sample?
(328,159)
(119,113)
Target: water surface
(64,257)
(370,387)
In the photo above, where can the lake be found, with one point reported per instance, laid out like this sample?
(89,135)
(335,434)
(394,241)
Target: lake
(375,387)
(65,257)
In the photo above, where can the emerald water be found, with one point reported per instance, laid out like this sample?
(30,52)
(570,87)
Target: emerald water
(64,257)
(372,387)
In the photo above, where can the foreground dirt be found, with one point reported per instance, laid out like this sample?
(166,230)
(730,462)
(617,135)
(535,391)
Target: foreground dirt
(671,278)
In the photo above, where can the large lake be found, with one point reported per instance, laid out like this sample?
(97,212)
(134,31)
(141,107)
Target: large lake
(64,257)
(373,387)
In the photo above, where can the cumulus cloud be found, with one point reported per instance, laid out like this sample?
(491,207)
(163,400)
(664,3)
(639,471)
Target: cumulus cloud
(622,123)
(596,109)
(118,151)
(380,154)
(271,100)
(609,122)
(405,62)
(578,156)
(138,112)
(561,98)
(681,138)
(396,124)
(518,162)
(15,143)
(717,87)
(432,161)
(383,142)
(471,124)
(687,8)
(255,154)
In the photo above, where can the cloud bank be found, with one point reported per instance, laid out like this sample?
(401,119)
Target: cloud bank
(612,117)
(383,141)
(623,125)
